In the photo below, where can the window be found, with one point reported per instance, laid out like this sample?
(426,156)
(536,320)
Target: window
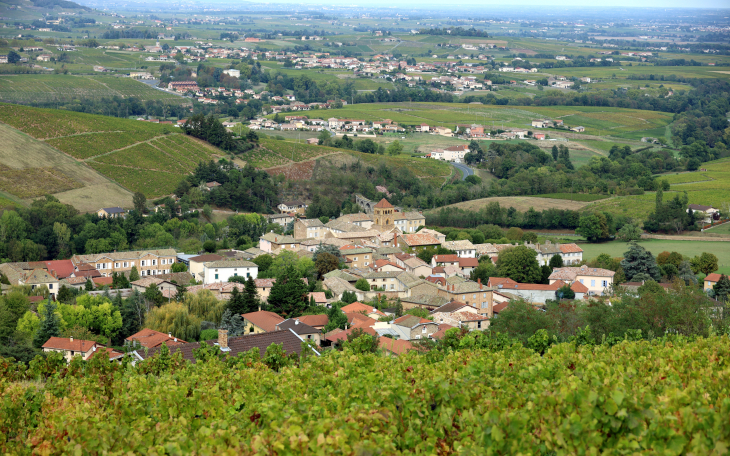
(354,259)
(593,283)
(216,276)
(50,286)
(418,336)
(366,263)
(479,324)
(424,329)
(154,262)
(367,256)
(143,263)
(392,286)
(581,280)
(163,261)
(126,264)
(605,283)
(116,265)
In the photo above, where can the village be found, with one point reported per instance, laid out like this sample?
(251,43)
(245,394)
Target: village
(380,249)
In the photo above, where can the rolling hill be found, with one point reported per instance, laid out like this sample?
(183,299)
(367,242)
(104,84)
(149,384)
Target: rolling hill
(91,161)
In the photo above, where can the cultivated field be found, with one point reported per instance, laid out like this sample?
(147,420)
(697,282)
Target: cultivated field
(521,203)
(141,156)
(38,169)
(38,88)
(619,122)
(656,246)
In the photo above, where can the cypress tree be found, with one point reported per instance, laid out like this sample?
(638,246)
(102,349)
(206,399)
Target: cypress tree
(250,296)
(50,325)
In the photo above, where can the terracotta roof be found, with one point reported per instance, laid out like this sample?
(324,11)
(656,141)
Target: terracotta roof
(360,307)
(88,273)
(383,204)
(319,297)
(471,316)
(290,341)
(436,279)
(314,320)
(206,258)
(450,258)
(70,344)
(150,338)
(570,248)
(468,262)
(395,346)
(714,277)
(419,239)
(497,308)
(342,335)
(75,280)
(264,319)
(61,268)
(264,283)
(443,327)
(438,270)
(496,281)
(578,287)
(102,281)
(109,352)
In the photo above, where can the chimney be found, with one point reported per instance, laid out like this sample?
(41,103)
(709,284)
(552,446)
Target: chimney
(169,335)
(296,322)
(72,339)
(223,338)
(259,308)
(479,280)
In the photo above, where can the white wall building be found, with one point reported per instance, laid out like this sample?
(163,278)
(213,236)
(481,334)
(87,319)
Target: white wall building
(221,271)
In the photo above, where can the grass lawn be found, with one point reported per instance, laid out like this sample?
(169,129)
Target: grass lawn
(722,229)
(656,246)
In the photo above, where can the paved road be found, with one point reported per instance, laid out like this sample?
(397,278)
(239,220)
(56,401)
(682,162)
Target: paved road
(465,170)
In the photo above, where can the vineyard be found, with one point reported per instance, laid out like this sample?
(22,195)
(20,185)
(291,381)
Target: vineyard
(53,123)
(156,167)
(88,145)
(666,397)
(34,182)
(37,88)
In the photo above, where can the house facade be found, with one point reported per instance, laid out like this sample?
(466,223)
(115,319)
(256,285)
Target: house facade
(221,271)
(147,262)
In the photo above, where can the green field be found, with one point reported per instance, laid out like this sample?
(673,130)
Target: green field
(713,192)
(619,122)
(586,197)
(40,88)
(657,246)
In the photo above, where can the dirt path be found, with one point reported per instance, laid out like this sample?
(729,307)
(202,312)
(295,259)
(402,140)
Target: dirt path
(685,238)
(126,147)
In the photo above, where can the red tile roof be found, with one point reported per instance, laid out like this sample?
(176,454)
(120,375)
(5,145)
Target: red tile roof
(319,297)
(500,307)
(264,319)
(497,281)
(60,268)
(468,262)
(436,279)
(714,277)
(360,307)
(443,327)
(342,335)
(395,346)
(102,281)
(570,248)
(446,258)
(578,287)
(383,204)
(70,344)
(150,338)
(314,320)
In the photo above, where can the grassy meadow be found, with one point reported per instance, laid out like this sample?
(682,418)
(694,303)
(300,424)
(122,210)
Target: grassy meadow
(657,246)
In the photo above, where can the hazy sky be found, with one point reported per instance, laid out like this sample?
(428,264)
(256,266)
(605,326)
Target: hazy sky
(501,3)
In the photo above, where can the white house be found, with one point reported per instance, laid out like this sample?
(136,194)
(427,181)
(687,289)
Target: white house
(463,248)
(221,271)
(233,73)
